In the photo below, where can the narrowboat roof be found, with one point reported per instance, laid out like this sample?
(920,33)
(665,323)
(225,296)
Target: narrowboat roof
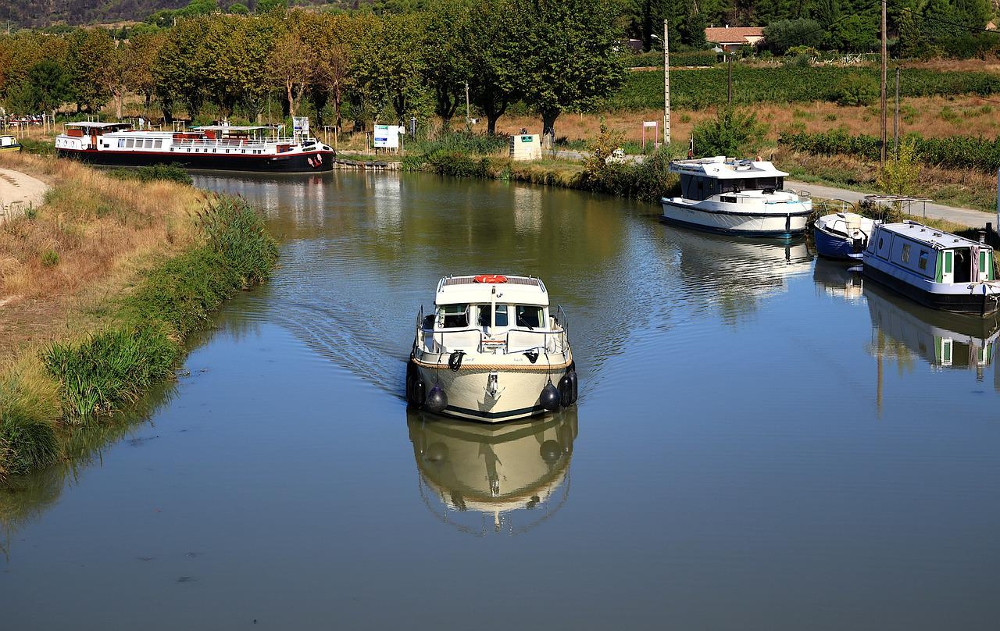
(525,290)
(720,168)
(937,239)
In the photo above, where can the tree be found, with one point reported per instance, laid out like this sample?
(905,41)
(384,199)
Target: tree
(572,55)
(49,84)
(856,33)
(389,68)
(91,64)
(784,34)
(143,49)
(496,73)
(733,133)
(236,52)
(291,64)
(447,68)
(181,68)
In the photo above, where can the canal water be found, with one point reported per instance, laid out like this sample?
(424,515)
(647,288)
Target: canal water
(762,441)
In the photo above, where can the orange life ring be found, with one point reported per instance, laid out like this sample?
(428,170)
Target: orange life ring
(491,278)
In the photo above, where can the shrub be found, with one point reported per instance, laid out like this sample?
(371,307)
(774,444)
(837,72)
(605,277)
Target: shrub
(857,89)
(732,133)
(169,172)
(50,258)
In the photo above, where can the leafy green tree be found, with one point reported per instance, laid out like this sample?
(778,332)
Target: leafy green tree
(446,68)
(496,72)
(572,56)
(50,85)
(92,64)
(143,50)
(784,34)
(238,8)
(181,68)
(733,133)
(389,68)
(856,33)
(266,6)
(236,51)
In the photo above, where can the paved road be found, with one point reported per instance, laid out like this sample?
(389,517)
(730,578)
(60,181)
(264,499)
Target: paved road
(965,216)
(18,192)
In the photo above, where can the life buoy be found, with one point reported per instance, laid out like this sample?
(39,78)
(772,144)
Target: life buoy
(491,278)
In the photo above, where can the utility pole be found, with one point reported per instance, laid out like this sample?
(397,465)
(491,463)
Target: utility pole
(895,121)
(884,72)
(729,80)
(468,120)
(666,86)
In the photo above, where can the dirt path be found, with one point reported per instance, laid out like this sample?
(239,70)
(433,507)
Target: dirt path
(965,216)
(18,192)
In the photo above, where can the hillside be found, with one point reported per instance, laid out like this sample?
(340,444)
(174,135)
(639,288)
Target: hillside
(43,13)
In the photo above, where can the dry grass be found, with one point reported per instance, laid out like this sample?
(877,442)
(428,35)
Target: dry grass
(89,240)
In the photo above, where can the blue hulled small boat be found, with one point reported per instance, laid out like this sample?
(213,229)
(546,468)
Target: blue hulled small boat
(842,235)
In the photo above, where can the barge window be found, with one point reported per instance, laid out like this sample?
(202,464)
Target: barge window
(947,262)
(906,253)
(923,257)
(158,144)
(453,316)
(130,143)
(121,143)
(530,317)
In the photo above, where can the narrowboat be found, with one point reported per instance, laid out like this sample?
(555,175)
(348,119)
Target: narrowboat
(216,147)
(842,235)
(735,197)
(491,350)
(936,269)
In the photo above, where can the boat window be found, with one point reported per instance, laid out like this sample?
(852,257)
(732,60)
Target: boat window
(906,253)
(129,143)
(947,262)
(923,257)
(501,316)
(453,316)
(121,143)
(529,316)
(158,144)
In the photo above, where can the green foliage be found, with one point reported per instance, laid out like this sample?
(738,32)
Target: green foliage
(705,88)
(27,433)
(899,176)
(784,34)
(110,369)
(50,258)
(857,89)
(458,164)
(647,180)
(733,133)
(167,172)
(960,152)
(462,141)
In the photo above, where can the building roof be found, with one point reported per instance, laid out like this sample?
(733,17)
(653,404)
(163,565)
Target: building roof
(734,34)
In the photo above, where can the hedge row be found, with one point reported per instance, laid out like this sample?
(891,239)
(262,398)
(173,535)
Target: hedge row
(961,152)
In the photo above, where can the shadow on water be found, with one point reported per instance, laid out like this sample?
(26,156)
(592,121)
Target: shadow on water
(482,479)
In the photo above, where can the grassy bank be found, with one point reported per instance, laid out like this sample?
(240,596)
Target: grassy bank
(103,285)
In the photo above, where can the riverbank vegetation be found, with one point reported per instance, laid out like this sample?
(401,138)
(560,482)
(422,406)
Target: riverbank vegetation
(100,287)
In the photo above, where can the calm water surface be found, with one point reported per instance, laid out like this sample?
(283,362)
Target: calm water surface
(760,443)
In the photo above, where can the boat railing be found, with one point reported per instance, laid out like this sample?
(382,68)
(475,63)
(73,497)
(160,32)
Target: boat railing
(230,143)
(474,340)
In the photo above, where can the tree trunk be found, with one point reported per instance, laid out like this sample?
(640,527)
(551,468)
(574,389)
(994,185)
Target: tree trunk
(549,117)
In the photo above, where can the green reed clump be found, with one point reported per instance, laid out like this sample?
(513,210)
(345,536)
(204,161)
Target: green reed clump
(236,232)
(462,141)
(27,432)
(168,172)
(110,369)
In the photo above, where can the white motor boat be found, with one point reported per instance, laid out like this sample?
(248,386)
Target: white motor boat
(491,351)
(741,197)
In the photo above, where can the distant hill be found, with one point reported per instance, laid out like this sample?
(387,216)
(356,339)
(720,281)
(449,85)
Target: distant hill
(43,13)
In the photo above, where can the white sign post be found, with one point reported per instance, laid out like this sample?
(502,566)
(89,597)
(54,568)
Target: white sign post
(387,136)
(656,133)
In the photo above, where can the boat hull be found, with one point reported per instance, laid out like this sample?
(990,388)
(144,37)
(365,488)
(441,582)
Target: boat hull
(518,393)
(307,162)
(959,300)
(749,224)
(833,246)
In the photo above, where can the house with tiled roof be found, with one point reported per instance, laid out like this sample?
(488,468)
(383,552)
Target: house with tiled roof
(730,38)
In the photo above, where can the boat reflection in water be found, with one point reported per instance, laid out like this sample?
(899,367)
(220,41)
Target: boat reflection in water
(839,279)
(503,478)
(902,328)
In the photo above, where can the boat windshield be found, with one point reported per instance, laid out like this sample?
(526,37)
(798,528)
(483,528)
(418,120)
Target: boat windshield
(453,316)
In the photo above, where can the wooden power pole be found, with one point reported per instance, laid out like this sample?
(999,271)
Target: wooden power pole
(885,67)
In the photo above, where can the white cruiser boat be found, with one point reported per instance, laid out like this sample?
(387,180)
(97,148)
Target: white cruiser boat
(218,147)
(937,269)
(491,351)
(741,197)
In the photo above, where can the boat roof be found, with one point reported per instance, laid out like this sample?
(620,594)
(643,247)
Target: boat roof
(718,167)
(94,125)
(937,239)
(525,290)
